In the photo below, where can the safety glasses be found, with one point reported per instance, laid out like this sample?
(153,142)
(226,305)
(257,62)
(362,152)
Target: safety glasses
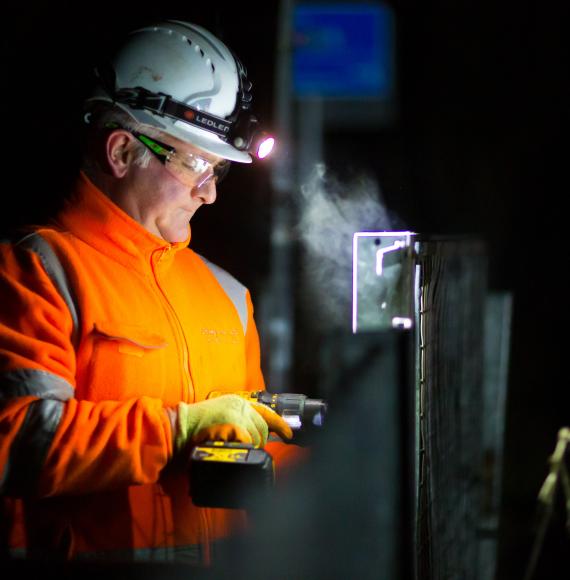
(189,168)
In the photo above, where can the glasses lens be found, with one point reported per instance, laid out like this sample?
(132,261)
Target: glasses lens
(195,171)
(191,169)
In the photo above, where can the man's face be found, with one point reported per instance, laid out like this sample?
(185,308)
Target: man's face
(163,200)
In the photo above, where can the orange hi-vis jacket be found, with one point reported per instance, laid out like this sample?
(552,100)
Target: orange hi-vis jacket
(88,367)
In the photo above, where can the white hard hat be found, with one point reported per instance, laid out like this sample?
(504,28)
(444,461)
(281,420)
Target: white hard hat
(181,79)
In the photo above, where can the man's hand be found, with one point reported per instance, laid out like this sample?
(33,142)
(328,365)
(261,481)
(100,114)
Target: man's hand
(227,418)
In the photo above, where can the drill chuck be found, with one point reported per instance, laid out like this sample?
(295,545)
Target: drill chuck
(298,410)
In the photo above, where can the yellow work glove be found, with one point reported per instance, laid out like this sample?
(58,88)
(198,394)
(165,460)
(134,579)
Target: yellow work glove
(227,418)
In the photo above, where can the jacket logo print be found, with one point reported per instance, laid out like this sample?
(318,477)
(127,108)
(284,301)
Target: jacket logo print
(221,335)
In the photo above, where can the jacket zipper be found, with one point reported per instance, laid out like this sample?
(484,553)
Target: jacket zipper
(189,392)
(188,389)
(203,512)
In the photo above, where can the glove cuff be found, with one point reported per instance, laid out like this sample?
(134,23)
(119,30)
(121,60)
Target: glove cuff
(185,424)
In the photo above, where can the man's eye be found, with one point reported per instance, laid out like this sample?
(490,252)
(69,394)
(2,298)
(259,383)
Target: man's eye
(195,164)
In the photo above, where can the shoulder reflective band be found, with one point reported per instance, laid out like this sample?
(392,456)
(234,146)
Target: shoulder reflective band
(235,290)
(55,271)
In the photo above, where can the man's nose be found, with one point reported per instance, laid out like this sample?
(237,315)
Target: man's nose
(206,192)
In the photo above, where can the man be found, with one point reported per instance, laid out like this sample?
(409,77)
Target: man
(113,332)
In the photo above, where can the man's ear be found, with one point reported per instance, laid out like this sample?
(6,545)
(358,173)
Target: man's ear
(119,153)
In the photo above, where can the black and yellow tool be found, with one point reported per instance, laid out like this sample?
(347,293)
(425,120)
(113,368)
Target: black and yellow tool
(226,474)
(230,475)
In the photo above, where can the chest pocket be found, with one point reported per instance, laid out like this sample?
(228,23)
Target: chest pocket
(130,339)
(126,357)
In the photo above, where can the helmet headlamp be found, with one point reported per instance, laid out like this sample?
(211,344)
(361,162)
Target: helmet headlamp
(247,136)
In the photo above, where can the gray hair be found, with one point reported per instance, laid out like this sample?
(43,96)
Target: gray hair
(98,118)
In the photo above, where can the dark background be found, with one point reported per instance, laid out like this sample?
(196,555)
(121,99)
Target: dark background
(480,147)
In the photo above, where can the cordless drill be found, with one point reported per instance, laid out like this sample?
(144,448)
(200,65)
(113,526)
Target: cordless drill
(228,474)
(300,412)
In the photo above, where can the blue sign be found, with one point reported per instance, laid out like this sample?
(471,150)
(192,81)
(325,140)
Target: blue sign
(343,50)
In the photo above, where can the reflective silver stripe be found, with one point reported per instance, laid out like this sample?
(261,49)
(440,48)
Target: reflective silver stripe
(56,272)
(191,554)
(31,445)
(235,290)
(36,383)
(29,450)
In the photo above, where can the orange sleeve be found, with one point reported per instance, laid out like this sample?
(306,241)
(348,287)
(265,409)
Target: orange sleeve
(287,458)
(106,445)
(93,446)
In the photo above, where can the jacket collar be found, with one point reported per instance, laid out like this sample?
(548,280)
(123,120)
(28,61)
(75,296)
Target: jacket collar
(91,216)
